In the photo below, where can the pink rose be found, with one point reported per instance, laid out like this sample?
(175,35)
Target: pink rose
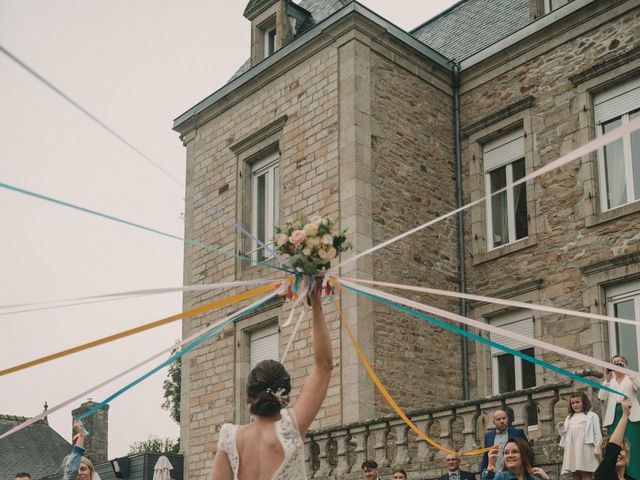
(298,236)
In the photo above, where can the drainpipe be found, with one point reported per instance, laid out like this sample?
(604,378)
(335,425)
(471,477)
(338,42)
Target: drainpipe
(461,257)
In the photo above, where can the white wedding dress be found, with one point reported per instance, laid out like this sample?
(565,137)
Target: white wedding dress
(292,467)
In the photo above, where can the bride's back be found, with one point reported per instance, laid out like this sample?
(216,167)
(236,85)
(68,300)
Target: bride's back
(259,449)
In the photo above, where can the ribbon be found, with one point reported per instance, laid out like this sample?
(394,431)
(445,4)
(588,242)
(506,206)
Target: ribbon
(385,298)
(176,356)
(293,335)
(497,301)
(132,293)
(141,328)
(131,224)
(187,340)
(387,396)
(577,153)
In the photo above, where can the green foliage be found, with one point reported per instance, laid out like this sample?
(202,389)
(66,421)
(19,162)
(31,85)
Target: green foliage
(155,445)
(171,386)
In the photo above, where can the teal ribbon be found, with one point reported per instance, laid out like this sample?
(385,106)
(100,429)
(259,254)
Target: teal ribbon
(486,341)
(132,224)
(173,358)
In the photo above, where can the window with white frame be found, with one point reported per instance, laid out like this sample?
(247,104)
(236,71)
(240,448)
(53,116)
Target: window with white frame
(618,161)
(551,5)
(265,203)
(263,344)
(504,164)
(510,372)
(623,301)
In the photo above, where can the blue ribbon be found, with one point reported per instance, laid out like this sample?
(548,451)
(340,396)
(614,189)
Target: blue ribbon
(486,341)
(173,358)
(136,225)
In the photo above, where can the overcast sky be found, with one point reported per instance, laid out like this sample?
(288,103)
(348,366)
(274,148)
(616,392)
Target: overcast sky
(136,65)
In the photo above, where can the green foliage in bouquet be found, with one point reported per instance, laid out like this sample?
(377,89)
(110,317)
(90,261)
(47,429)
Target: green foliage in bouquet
(309,244)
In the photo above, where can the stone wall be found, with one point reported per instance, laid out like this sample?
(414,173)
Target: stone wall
(414,167)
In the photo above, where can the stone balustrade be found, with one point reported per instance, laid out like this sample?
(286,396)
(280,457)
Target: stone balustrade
(336,453)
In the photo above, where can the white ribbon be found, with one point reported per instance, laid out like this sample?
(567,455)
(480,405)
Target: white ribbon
(494,300)
(190,339)
(52,304)
(293,334)
(577,153)
(491,328)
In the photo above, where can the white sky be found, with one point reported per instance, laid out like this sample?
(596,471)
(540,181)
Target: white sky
(136,65)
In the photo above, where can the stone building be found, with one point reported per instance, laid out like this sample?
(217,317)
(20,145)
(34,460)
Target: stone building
(339,112)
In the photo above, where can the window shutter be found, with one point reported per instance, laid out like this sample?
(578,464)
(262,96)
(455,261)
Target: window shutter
(617,101)
(523,326)
(503,150)
(263,345)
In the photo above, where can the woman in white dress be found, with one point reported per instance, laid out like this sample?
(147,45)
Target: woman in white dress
(580,436)
(272,447)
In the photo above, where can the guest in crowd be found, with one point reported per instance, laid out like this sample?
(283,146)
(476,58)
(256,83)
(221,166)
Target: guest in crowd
(399,474)
(370,470)
(452,461)
(613,410)
(75,466)
(499,437)
(580,436)
(615,456)
(23,476)
(518,462)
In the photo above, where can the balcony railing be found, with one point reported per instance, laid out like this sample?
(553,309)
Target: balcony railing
(336,453)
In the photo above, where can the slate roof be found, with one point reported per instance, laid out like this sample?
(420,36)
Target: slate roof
(470,26)
(462,30)
(38,449)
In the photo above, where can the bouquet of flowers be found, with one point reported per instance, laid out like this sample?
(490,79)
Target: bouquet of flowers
(309,244)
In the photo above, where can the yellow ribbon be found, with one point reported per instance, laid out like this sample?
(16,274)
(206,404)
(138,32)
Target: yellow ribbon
(189,313)
(387,396)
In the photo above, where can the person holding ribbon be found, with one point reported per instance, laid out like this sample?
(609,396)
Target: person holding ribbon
(272,446)
(580,436)
(75,466)
(518,463)
(629,387)
(615,453)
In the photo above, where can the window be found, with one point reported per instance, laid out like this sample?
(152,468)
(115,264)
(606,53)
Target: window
(265,202)
(551,5)
(504,164)
(618,161)
(269,41)
(509,372)
(623,301)
(263,345)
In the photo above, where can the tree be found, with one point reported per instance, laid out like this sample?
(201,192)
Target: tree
(171,386)
(155,444)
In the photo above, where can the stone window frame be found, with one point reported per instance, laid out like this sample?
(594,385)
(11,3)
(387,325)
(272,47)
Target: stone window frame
(529,292)
(265,317)
(511,118)
(250,150)
(597,79)
(598,278)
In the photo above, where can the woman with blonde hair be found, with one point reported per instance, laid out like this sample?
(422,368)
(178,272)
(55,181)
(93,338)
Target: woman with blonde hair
(629,387)
(77,467)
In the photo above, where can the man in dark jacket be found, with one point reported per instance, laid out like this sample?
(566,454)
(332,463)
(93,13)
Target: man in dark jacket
(499,436)
(453,469)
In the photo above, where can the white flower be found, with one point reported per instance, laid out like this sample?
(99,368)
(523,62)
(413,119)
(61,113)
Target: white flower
(311,229)
(327,239)
(282,239)
(315,219)
(306,251)
(322,253)
(331,253)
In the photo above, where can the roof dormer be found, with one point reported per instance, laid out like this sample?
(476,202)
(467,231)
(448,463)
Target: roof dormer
(273,24)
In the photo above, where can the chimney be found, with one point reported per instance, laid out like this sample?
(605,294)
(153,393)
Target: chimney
(96,444)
